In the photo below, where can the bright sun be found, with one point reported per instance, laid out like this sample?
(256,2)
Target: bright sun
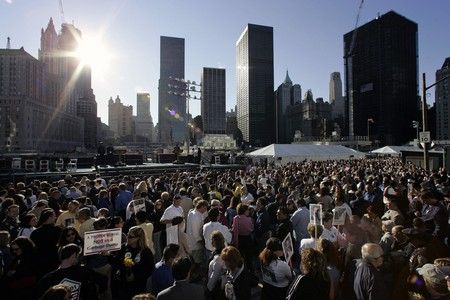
(92,52)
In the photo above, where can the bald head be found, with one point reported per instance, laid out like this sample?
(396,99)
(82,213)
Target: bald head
(373,253)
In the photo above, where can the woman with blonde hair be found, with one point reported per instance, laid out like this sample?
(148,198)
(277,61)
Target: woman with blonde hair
(142,187)
(134,264)
(314,282)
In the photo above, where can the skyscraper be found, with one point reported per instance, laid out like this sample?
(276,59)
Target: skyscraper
(143,120)
(255,99)
(213,100)
(68,82)
(27,121)
(286,95)
(336,99)
(381,79)
(442,98)
(120,118)
(172,108)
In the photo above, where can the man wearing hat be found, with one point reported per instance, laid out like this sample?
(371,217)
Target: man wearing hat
(435,280)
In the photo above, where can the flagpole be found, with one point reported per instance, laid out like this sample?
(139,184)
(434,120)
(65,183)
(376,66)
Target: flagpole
(368,130)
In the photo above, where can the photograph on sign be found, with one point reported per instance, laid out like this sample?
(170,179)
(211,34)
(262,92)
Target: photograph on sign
(288,247)
(134,206)
(339,215)
(315,214)
(102,240)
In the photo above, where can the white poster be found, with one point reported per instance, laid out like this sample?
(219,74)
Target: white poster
(315,214)
(172,234)
(102,240)
(288,247)
(339,215)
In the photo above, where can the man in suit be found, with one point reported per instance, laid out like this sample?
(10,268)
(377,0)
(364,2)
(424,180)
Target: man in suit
(182,288)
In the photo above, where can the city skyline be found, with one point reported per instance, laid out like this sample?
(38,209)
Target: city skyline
(307,38)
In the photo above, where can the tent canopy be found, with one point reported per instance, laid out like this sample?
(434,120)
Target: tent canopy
(306,151)
(396,150)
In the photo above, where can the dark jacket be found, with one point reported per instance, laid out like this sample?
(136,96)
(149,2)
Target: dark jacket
(369,282)
(182,289)
(262,223)
(46,239)
(311,288)
(81,280)
(243,284)
(282,229)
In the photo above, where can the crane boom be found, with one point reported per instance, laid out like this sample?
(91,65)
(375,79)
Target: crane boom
(61,11)
(355,31)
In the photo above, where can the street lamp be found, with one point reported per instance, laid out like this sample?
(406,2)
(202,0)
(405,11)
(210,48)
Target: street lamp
(188,89)
(424,116)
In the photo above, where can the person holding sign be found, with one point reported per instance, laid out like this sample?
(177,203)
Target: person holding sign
(329,231)
(276,273)
(135,264)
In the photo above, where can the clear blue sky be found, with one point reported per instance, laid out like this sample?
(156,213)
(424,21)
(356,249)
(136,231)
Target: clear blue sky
(307,37)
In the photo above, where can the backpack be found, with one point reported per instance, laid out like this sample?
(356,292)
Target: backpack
(293,288)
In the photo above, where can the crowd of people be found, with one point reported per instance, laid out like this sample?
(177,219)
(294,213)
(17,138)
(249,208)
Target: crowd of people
(219,234)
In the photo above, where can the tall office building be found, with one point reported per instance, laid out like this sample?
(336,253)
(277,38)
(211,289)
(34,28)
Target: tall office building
(336,99)
(255,98)
(442,99)
(286,95)
(27,121)
(381,79)
(213,100)
(172,107)
(143,120)
(68,82)
(120,118)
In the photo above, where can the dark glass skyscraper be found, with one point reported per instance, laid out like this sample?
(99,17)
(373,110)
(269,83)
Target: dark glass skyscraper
(381,79)
(171,108)
(213,100)
(255,97)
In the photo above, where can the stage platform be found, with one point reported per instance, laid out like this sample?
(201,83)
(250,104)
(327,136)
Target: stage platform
(145,169)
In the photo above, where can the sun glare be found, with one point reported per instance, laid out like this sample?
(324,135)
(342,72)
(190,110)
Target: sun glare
(92,52)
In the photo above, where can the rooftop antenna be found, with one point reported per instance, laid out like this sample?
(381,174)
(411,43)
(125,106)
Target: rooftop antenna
(8,43)
(61,11)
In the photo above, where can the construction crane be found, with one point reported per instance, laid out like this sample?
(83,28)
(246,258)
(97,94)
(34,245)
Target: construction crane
(61,11)
(355,31)
(348,56)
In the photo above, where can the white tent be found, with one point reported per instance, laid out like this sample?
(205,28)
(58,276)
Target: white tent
(284,153)
(397,150)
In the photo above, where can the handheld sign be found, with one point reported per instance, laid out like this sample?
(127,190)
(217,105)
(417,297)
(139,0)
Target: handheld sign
(288,247)
(102,240)
(134,206)
(315,214)
(339,215)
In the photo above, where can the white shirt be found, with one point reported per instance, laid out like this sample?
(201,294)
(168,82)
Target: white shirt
(208,229)
(247,198)
(216,271)
(195,220)
(170,213)
(277,273)
(331,234)
(307,243)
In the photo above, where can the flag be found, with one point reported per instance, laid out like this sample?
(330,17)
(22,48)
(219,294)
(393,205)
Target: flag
(370,120)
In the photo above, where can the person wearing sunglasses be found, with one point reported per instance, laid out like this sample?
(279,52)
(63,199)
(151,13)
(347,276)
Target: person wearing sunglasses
(134,264)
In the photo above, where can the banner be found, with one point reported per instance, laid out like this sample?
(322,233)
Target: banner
(102,240)
(288,247)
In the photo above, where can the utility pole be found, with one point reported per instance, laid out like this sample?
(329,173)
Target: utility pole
(426,162)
